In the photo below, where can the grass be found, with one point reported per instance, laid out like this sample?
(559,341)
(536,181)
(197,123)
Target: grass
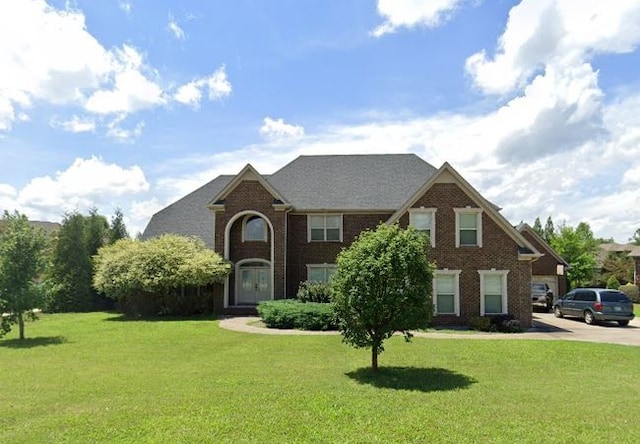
(636,309)
(99,378)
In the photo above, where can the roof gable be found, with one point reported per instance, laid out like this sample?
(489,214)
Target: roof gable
(247,173)
(523,227)
(448,174)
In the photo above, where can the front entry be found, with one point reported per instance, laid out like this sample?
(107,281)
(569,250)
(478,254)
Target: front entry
(254,283)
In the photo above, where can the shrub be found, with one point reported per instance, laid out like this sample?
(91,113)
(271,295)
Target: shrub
(291,313)
(503,323)
(613,283)
(311,291)
(632,291)
(480,323)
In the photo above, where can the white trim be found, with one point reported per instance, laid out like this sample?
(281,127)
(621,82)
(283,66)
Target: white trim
(244,228)
(432,228)
(227,232)
(478,213)
(456,290)
(324,215)
(324,266)
(503,273)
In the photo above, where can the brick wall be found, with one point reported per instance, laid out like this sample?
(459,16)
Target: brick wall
(498,251)
(547,264)
(251,195)
(300,252)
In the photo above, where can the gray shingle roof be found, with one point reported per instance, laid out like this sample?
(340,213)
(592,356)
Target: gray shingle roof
(188,216)
(351,182)
(309,183)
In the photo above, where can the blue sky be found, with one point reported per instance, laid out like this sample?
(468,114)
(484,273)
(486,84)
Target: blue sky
(133,104)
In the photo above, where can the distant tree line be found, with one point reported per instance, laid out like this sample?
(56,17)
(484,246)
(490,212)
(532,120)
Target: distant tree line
(580,248)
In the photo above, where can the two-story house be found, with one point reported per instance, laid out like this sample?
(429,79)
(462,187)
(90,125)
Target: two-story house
(281,229)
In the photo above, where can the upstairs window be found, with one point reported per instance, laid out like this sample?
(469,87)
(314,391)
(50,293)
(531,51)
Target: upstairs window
(468,227)
(424,220)
(325,228)
(254,229)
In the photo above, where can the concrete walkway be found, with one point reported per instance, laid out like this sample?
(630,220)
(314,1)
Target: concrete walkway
(545,327)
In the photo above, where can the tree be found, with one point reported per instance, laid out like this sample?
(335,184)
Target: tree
(159,268)
(549,231)
(578,247)
(117,229)
(618,265)
(635,239)
(68,277)
(537,227)
(382,286)
(21,248)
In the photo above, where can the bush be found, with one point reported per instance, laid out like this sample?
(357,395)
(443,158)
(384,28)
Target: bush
(311,291)
(503,323)
(632,291)
(613,283)
(291,313)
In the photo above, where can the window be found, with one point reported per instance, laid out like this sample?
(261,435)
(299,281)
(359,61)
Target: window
(254,228)
(468,227)
(446,294)
(320,272)
(325,228)
(493,292)
(424,220)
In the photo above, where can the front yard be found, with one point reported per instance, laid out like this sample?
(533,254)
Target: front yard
(98,378)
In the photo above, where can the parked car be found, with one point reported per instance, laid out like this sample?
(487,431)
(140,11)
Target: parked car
(595,304)
(541,295)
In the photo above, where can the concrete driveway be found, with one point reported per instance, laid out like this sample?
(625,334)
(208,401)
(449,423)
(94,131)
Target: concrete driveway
(547,326)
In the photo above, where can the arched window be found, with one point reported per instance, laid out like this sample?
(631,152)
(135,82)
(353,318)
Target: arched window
(254,228)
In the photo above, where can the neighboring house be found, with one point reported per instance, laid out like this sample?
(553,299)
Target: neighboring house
(288,227)
(620,254)
(551,268)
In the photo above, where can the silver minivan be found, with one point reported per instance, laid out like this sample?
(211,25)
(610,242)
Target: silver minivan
(595,304)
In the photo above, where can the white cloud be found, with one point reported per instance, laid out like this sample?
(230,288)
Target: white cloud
(544,33)
(175,29)
(413,13)
(75,124)
(274,129)
(48,55)
(125,6)
(86,183)
(117,132)
(217,86)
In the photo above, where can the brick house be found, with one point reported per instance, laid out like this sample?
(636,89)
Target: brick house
(551,268)
(281,229)
(635,255)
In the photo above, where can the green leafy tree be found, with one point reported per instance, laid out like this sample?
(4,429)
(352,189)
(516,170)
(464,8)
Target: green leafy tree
(68,277)
(537,227)
(117,228)
(549,231)
(382,286)
(159,268)
(613,283)
(21,248)
(635,239)
(618,265)
(578,247)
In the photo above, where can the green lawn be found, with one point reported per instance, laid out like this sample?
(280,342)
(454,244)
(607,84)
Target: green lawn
(636,309)
(96,378)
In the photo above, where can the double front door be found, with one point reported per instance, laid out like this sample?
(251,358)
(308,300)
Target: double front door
(254,283)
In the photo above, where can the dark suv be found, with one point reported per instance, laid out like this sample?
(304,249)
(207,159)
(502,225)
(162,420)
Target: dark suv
(595,304)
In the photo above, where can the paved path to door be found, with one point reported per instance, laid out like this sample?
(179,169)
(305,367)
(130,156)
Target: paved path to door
(545,327)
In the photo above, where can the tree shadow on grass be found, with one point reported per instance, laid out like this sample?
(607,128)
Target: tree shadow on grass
(33,342)
(412,378)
